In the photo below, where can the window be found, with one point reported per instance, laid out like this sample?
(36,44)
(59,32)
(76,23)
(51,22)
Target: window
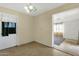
(59,27)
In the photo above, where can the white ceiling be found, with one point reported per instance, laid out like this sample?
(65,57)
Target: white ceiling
(69,15)
(42,7)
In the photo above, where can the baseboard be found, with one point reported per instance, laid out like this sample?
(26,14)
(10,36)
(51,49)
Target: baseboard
(72,41)
(34,42)
(24,43)
(43,44)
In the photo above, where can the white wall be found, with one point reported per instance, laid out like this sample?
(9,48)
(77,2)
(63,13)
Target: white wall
(43,29)
(10,40)
(7,41)
(71,29)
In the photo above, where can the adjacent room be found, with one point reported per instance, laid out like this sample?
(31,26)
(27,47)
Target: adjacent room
(39,29)
(66,31)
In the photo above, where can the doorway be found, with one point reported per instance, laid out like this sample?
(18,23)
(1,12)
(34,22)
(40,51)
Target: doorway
(58,33)
(65,31)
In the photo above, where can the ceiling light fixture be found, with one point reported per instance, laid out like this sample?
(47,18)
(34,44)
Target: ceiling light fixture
(26,8)
(30,8)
